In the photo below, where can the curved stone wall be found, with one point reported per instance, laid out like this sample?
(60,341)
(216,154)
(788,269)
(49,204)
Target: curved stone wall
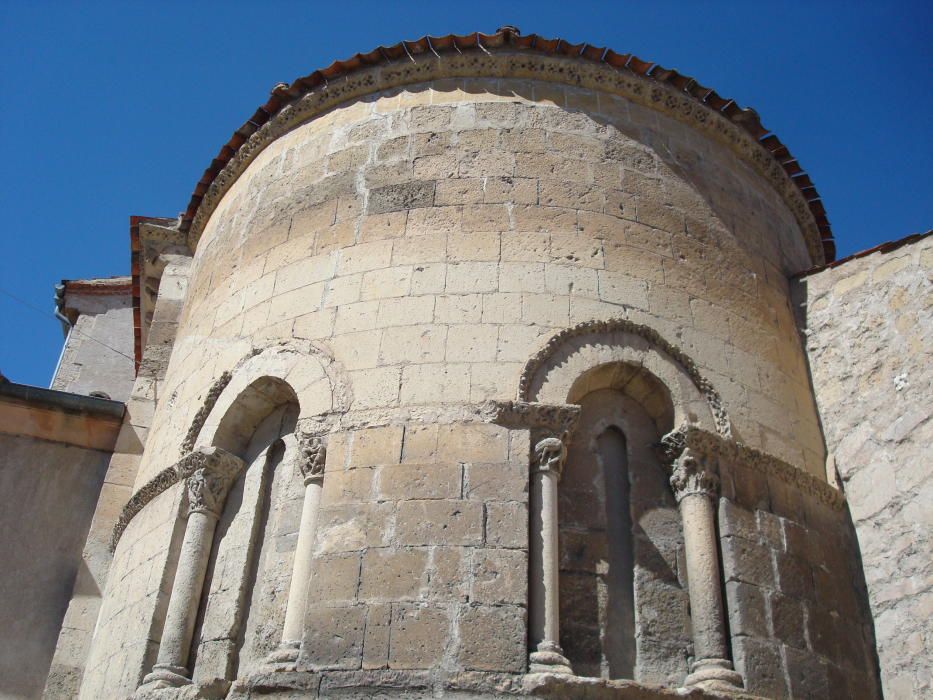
(420,246)
(481,217)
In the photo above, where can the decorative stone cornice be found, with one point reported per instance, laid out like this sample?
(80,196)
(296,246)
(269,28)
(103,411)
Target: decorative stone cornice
(207,487)
(622,325)
(312,451)
(203,458)
(711,450)
(204,411)
(556,419)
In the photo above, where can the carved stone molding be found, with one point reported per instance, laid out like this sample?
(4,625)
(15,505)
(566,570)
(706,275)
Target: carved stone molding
(208,486)
(711,450)
(181,470)
(312,451)
(204,411)
(622,325)
(556,419)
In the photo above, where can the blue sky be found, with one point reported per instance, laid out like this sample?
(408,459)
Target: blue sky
(112,109)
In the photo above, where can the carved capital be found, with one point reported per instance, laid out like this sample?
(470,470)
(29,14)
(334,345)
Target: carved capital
(549,456)
(312,451)
(724,455)
(692,476)
(209,484)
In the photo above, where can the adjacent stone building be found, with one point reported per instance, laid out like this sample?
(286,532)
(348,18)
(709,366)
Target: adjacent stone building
(97,358)
(55,447)
(494,365)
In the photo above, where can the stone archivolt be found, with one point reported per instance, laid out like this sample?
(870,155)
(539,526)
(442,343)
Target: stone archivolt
(540,359)
(204,411)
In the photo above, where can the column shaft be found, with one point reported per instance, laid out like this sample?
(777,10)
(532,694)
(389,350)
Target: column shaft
(709,637)
(186,594)
(695,487)
(207,488)
(301,573)
(311,453)
(544,560)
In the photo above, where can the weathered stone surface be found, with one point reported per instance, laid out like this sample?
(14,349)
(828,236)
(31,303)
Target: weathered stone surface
(412,252)
(492,638)
(747,561)
(418,636)
(759,662)
(807,674)
(333,638)
(868,339)
(393,574)
(499,576)
(747,614)
(787,621)
(440,522)
(401,197)
(506,524)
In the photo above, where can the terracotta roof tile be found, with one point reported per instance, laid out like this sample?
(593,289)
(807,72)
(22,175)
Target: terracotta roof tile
(885,247)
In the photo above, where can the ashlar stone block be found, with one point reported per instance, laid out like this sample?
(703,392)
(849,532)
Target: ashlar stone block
(392,574)
(493,638)
(333,638)
(499,576)
(418,636)
(440,522)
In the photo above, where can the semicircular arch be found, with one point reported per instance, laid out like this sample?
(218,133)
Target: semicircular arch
(598,354)
(275,376)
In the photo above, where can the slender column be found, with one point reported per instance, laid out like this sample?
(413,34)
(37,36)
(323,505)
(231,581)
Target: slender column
(695,488)
(207,492)
(312,452)
(548,461)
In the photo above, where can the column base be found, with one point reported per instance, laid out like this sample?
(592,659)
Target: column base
(285,658)
(714,674)
(167,676)
(549,658)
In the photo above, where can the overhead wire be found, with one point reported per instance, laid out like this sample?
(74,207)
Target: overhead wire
(73,328)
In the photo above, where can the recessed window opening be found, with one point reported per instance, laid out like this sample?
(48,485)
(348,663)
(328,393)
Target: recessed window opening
(619,632)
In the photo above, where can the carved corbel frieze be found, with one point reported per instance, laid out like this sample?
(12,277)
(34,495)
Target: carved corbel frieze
(710,451)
